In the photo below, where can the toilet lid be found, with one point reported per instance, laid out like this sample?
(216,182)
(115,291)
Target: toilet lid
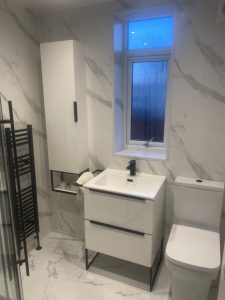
(194,248)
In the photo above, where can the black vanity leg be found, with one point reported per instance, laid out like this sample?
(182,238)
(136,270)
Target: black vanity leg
(87,263)
(86,259)
(150,279)
(155,267)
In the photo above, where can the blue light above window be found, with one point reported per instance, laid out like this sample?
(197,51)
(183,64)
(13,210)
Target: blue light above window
(150,33)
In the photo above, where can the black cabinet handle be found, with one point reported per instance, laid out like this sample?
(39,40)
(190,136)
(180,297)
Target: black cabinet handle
(117,194)
(75,111)
(117,228)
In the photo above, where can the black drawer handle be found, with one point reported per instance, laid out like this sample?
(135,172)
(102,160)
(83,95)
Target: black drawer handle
(117,194)
(75,112)
(117,228)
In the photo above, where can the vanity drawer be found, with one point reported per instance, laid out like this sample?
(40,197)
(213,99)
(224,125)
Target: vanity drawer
(119,210)
(129,246)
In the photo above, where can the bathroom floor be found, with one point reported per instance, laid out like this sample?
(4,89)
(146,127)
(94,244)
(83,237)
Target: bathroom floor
(57,272)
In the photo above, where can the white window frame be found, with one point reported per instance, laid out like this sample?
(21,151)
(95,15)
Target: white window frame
(122,147)
(142,55)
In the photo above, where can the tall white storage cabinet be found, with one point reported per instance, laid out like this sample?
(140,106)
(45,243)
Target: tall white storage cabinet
(63,72)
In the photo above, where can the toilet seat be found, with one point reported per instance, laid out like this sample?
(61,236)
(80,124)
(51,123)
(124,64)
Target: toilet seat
(194,248)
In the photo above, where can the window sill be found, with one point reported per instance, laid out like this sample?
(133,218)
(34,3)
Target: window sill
(153,153)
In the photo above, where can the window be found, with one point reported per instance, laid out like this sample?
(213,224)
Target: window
(150,34)
(148,100)
(143,54)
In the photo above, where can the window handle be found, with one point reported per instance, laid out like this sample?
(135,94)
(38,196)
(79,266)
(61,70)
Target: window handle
(147,144)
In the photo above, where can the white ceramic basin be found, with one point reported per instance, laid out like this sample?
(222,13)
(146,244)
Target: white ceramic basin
(120,182)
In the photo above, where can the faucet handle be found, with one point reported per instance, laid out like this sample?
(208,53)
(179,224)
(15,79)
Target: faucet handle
(132,162)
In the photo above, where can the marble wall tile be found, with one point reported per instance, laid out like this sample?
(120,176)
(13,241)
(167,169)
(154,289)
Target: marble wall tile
(68,215)
(197,133)
(20,81)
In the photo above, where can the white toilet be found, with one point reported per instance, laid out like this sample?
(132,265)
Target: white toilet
(193,248)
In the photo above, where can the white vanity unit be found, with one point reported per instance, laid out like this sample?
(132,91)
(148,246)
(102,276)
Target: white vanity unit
(124,217)
(63,72)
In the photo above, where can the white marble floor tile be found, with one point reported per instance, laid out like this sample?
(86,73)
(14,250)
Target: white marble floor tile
(57,272)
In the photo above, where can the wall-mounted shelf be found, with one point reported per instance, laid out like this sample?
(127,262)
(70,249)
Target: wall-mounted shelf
(64,182)
(71,187)
(66,190)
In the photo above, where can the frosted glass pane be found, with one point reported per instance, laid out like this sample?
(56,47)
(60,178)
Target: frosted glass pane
(151,33)
(148,100)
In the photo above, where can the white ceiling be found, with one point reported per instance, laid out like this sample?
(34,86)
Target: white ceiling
(56,5)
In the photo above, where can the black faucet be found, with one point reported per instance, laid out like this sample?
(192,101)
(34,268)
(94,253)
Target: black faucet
(132,167)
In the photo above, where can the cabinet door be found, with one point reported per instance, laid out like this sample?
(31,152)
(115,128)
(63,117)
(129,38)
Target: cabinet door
(58,72)
(119,210)
(131,247)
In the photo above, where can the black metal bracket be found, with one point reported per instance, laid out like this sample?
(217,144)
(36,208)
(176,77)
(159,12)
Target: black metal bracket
(153,270)
(54,187)
(87,263)
(156,264)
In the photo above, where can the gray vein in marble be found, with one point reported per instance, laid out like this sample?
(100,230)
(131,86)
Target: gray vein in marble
(127,294)
(124,3)
(182,4)
(97,70)
(64,238)
(31,261)
(39,133)
(67,224)
(51,268)
(36,109)
(20,25)
(70,30)
(52,273)
(3,9)
(215,60)
(180,126)
(11,65)
(22,122)
(91,282)
(43,193)
(95,161)
(198,86)
(211,56)
(45,214)
(32,103)
(198,168)
(164,293)
(168,170)
(153,170)
(98,98)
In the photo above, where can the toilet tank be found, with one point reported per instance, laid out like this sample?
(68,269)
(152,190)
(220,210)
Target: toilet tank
(198,203)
